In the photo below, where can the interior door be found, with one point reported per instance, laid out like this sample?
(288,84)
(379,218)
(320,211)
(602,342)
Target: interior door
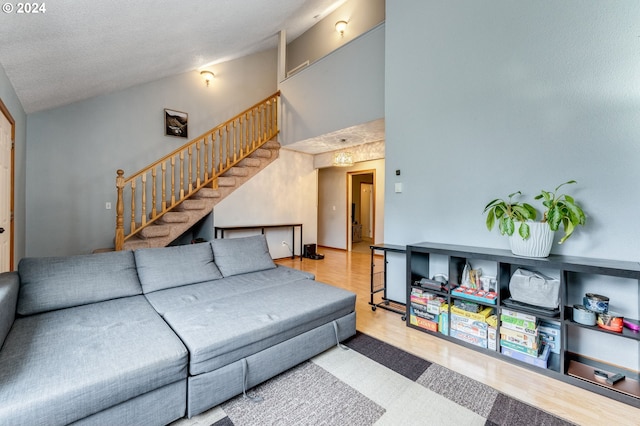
(366,209)
(5,194)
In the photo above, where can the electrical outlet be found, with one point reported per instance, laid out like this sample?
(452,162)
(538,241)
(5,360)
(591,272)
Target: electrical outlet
(107,205)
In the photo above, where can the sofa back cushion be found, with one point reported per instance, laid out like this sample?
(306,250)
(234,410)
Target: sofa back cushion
(50,283)
(167,267)
(235,256)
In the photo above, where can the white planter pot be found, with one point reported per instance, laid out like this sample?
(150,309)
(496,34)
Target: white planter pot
(537,245)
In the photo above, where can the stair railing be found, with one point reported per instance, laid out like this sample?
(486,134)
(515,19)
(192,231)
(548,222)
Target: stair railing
(147,195)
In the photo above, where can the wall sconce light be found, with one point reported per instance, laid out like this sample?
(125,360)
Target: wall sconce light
(343,159)
(207,76)
(340,27)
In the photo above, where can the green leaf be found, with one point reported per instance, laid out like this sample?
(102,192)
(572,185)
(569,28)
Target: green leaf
(532,213)
(524,230)
(491,218)
(489,205)
(568,230)
(509,226)
(566,183)
(515,193)
(576,213)
(554,217)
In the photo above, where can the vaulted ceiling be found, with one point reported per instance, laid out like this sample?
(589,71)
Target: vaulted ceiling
(74,50)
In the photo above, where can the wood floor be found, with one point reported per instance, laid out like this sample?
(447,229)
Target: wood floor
(352,270)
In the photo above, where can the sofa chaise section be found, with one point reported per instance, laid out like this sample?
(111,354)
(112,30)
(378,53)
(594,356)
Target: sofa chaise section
(77,352)
(254,321)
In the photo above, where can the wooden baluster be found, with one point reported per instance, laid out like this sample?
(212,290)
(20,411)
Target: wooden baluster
(206,172)
(181,196)
(164,185)
(247,139)
(253,128)
(206,158)
(144,200)
(261,123)
(133,207)
(264,123)
(228,140)
(173,180)
(242,141)
(220,143)
(247,118)
(119,242)
(275,116)
(267,120)
(154,199)
(190,155)
(213,154)
(235,140)
(247,131)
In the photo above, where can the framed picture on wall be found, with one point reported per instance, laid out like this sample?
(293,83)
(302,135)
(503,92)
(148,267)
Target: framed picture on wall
(175,123)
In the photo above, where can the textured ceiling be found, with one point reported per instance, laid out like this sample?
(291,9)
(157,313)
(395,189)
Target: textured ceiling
(80,49)
(365,133)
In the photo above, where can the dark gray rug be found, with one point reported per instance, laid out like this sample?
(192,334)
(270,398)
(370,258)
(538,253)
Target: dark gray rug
(376,383)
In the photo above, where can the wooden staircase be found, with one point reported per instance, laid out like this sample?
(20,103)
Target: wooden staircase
(179,220)
(194,178)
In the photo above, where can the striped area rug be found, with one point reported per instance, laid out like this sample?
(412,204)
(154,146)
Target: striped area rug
(373,383)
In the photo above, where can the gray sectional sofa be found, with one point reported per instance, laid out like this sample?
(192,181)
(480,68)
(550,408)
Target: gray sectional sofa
(150,336)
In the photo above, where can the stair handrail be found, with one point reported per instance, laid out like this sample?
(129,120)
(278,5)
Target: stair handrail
(230,142)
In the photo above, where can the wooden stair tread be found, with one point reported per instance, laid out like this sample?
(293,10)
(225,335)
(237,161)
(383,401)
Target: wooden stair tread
(250,162)
(261,153)
(236,171)
(174,217)
(207,193)
(226,181)
(155,230)
(192,204)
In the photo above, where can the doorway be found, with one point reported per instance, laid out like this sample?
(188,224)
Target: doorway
(7,138)
(361,217)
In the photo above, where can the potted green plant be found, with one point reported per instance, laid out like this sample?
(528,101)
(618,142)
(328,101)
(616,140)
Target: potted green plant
(561,209)
(507,213)
(528,237)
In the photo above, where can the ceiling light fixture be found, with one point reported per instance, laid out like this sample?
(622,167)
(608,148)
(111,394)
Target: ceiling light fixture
(207,76)
(343,159)
(340,27)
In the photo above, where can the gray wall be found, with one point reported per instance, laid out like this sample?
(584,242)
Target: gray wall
(322,38)
(340,90)
(75,150)
(333,192)
(487,98)
(8,96)
(283,193)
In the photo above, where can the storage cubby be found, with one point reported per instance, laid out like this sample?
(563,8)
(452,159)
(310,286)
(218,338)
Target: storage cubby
(558,346)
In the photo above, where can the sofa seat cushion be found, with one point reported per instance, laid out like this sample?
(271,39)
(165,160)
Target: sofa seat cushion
(50,283)
(181,297)
(61,366)
(225,330)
